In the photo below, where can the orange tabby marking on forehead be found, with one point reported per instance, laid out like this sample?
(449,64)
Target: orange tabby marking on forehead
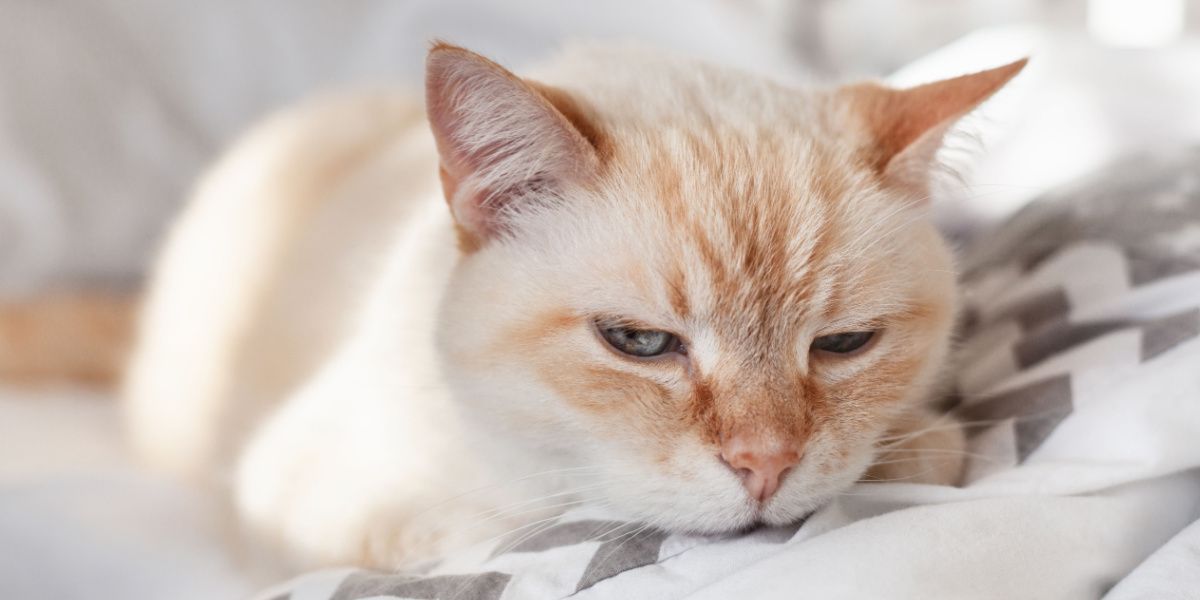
(676,283)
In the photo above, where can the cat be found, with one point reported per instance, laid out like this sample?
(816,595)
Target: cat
(701,299)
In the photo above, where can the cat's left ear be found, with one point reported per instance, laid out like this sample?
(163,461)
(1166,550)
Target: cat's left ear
(906,127)
(500,139)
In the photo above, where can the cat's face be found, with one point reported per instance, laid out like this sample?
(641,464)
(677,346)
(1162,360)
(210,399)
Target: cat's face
(715,319)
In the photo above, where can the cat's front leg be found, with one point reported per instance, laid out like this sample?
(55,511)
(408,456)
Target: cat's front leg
(353,469)
(924,447)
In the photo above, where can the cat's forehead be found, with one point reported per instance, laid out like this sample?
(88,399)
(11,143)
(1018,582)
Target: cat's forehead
(750,234)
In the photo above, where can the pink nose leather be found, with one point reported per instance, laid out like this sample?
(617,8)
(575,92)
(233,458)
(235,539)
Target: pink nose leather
(760,465)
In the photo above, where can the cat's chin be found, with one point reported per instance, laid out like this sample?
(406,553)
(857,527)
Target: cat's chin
(734,519)
(770,517)
(752,518)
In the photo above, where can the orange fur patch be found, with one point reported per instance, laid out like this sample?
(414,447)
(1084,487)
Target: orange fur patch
(66,337)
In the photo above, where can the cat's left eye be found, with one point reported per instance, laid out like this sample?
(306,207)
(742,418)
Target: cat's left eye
(642,343)
(843,343)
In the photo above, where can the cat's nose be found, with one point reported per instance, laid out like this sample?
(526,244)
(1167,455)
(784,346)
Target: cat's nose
(760,463)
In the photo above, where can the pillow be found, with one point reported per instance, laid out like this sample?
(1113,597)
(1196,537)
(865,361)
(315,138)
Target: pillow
(1079,377)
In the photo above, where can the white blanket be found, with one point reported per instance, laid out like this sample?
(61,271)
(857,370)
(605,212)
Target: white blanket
(1080,373)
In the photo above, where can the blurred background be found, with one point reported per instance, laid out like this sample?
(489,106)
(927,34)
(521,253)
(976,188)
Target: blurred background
(109,109)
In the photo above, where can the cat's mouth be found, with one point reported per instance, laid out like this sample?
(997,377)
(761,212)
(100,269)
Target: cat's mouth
(774,514)
(762,523)
(755,516)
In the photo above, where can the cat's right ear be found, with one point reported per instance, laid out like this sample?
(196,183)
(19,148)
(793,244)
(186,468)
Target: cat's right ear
(501,141)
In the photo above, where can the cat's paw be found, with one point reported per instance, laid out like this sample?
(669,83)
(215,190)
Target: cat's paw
(925,448)
(295,507)
(318,504)
(365,500)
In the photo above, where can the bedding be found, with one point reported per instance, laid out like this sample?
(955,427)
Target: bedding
(1079,375)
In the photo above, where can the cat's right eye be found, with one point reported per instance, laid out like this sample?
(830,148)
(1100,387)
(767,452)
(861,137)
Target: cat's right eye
(641,343)
(843,343)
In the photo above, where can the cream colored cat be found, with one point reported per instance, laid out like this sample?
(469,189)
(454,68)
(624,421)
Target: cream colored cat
(694,295)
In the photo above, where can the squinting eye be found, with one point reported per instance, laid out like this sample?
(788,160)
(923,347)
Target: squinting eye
(843,343)
(642,343)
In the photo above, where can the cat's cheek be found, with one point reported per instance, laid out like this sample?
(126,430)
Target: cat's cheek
(614,402)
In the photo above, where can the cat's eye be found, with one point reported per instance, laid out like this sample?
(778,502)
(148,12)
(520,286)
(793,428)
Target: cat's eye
(843,343)
(642,343)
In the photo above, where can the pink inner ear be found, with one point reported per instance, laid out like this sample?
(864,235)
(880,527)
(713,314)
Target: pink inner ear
(500,140)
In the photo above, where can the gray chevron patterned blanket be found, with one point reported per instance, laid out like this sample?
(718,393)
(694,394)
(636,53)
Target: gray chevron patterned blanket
(1080,370)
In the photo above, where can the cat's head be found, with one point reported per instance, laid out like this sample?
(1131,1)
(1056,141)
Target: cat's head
(710,292)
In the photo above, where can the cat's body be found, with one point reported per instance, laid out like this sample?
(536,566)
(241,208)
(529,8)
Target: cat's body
(327,341)
(306,214)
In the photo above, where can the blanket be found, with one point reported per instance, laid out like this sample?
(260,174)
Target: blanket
(1079,378)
